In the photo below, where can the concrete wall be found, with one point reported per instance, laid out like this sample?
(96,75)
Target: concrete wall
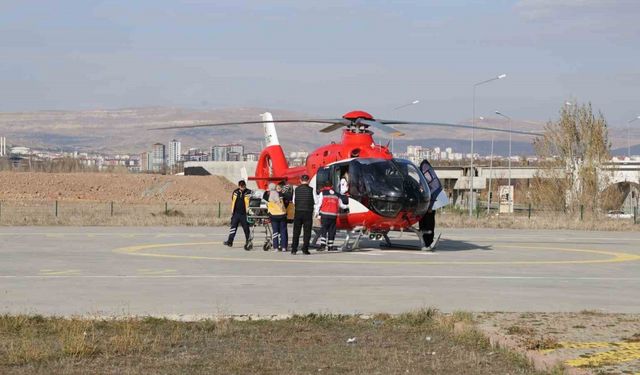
(231,170)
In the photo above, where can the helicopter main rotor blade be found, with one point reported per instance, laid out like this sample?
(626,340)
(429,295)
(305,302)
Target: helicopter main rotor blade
(318,121)
(336,125)
(381,126)
(442,124)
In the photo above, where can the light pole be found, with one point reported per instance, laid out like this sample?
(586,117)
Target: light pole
(416,101)
(473,135)
(510,128)
(629,144)
(407,104)
(490,173)
(509,161)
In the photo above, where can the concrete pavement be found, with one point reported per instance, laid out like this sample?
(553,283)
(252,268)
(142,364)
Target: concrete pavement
(186,272)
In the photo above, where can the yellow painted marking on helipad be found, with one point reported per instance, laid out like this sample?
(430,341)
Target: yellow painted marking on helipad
(94,235)
(611,257)
(59,272)
(618,352)
(147,271)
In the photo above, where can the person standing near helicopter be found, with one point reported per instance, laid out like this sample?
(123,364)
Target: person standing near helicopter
(277,209)
(328,207)
(239,205)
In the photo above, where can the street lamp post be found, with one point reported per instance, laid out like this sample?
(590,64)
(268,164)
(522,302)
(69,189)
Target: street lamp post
(407,104)
(629,144)
(509,161)
(490,174)
(473,134)
(416,101)
(510,129)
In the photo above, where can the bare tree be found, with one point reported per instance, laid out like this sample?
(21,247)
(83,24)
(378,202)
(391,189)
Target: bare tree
(577,143)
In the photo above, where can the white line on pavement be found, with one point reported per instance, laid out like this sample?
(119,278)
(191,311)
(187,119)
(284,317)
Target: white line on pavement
(302,277)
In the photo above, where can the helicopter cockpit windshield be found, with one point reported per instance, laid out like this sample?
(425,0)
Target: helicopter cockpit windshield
(387,186)
(419,191)
(382,185)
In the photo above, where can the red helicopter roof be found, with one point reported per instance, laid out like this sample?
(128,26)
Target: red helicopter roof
(357,114)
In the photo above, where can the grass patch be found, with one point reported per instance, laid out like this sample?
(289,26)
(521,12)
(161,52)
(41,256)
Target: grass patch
(633,338)
(417,342)
(520,330)
(592,313)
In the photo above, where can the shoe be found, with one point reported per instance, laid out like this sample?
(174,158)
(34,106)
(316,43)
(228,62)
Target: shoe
(293,252)
(228,243)
(321,248)
(432,246)
(306,252)
(248,246)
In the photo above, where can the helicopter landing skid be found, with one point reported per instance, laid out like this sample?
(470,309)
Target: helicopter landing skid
(350,246)
(390,245)
(351,241)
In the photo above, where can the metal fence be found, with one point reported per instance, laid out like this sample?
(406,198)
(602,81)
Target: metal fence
(34,212)
(532,211)
(30,211)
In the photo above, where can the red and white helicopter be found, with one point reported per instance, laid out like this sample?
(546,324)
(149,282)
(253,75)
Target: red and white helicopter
(385,194)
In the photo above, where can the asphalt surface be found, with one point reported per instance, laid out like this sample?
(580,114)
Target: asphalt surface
(184,272)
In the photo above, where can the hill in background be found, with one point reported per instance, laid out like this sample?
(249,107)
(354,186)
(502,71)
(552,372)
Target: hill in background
(125,131)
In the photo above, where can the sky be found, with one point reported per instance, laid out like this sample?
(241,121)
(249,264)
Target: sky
(324,57)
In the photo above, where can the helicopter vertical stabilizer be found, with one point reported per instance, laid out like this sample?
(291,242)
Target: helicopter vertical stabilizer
(272,163)
(270,135)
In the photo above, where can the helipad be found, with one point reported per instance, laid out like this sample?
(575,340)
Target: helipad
(186,271)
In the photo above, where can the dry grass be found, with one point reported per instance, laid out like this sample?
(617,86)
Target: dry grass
(122,214)
(538,220)
(420,342)
(159,214)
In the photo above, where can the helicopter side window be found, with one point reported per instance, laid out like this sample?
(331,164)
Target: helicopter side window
(336,179)
(323,175)
(344,180)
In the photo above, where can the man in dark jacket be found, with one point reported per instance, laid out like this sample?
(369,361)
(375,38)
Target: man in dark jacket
(239,205)
(304,201)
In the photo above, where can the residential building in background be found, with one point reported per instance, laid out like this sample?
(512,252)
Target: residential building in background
(158,157)
(234,156)
(232,152)
(236,148)
(252,156)
(195,154)
(145,162)
(219,153)
(3,146)
(175,153)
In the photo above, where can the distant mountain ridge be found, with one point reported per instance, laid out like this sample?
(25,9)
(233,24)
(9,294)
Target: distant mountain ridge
(125,131)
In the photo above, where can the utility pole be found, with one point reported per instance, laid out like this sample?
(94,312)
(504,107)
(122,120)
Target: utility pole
(473,134)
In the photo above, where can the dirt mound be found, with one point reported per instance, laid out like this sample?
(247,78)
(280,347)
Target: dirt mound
(107,187)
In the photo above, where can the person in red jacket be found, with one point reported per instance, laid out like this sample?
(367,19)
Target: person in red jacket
(328,206)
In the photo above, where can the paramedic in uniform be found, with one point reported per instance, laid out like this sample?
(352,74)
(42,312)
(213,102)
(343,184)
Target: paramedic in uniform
(239,205)
(328,206)
(277,209)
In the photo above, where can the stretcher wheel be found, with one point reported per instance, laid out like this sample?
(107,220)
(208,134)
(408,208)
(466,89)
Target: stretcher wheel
(266,247)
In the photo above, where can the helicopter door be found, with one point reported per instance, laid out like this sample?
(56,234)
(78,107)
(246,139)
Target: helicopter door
(323,175)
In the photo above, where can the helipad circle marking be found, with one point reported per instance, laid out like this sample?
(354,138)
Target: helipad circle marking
(612,257)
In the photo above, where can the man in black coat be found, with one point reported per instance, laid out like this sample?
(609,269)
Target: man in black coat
(304,199)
